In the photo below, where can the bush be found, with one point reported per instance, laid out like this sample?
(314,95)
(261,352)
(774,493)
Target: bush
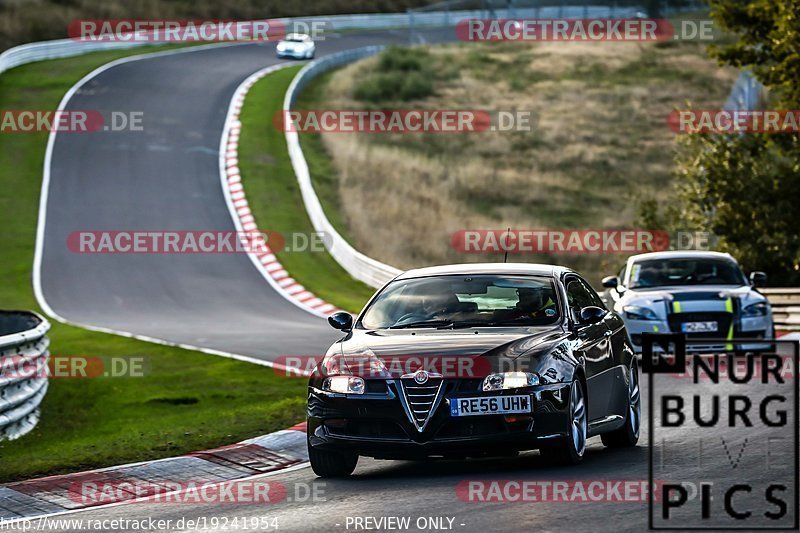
(400,59)
(401,74)
(415,86)
(394,86)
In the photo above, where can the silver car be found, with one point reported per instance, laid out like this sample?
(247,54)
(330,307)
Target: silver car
(702,294)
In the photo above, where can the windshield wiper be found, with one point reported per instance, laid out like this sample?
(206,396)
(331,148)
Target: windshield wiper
(462,325)
(504,324)
(423,324)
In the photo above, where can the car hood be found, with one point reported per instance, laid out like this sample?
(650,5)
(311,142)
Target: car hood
(405,351)
(697,298)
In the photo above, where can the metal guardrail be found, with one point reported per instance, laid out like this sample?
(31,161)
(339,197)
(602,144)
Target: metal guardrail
(40,51)
(23,364)
(785,307)
(358,265)
(745,93)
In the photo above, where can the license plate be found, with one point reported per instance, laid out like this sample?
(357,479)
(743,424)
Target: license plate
(698,327)
(490,405)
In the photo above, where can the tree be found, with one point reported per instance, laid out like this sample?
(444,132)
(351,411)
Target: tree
(768,42)
(745,188)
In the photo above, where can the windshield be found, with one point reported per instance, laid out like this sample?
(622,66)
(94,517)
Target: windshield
(670,272)
(464,301)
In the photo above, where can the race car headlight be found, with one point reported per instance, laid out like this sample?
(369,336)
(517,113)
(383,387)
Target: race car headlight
(362,362)
(344,384)
(637,312)
(756,309)
(509,380)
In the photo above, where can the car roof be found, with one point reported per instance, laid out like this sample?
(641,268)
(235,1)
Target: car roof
(297,36)
(485,268)
(682,254)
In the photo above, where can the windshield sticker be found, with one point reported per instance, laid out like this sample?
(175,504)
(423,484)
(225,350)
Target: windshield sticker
(635,273)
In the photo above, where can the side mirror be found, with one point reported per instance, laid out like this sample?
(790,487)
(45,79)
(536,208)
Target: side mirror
(758,279)
(591,314)
(610,282)
(341,320)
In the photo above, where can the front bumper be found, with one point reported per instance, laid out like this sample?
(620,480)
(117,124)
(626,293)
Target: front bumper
(744,328)
(376,424)
(292,54)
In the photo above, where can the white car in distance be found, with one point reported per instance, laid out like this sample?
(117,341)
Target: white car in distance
(296,46)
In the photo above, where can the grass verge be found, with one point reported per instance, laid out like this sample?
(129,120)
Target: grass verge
(275,199)
(187,400)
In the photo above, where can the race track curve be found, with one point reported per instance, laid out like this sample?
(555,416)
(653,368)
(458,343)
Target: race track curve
(166,177)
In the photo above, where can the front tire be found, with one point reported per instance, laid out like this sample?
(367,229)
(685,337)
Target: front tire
(570,451)
(328,464)
(628,435)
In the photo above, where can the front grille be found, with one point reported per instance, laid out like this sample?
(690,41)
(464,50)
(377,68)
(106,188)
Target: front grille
(421,399)
(722,319)
(372,429)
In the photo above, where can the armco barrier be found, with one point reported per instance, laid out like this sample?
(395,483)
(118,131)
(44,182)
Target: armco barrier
(23,349)
(358,265)
(785,307)
(28,53)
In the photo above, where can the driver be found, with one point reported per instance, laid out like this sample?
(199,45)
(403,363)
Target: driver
(531,303)
(438,305)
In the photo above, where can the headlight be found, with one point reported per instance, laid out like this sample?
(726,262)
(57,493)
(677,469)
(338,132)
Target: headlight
(281,47)
(344,384)
(756,309)
(510,380)
(637,312)
(362,362)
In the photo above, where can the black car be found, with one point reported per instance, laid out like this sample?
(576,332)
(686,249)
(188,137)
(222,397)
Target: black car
(474,360)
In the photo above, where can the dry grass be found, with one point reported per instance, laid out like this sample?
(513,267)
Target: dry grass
(600,143)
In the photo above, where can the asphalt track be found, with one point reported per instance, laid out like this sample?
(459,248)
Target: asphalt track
(419,490)
(166,177)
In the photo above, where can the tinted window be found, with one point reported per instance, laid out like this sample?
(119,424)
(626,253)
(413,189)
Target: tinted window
(671,272)
(464,300)
(580,296)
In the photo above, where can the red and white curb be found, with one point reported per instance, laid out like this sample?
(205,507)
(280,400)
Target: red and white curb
(246,460)
(265,261)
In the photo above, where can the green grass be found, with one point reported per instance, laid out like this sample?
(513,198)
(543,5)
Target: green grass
(275,199)
(187,400)
(320,164)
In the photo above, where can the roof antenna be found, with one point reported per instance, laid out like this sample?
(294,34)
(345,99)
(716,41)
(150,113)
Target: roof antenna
(505,257)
